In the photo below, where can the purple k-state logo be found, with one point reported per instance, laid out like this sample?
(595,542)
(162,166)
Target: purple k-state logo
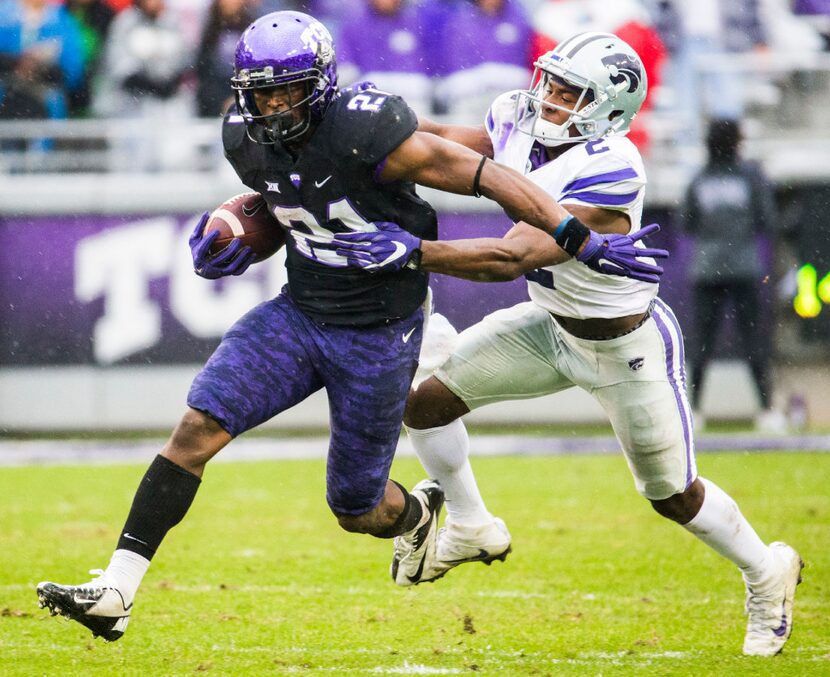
(636,363)
(624,69)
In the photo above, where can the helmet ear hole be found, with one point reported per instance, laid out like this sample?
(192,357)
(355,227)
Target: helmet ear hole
(614,114)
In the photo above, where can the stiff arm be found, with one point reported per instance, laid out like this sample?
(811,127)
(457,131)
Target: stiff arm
(432,161)
(434,156)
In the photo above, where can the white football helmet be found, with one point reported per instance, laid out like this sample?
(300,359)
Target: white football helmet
(612,83)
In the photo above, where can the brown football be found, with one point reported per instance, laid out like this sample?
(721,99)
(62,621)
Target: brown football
(247,217)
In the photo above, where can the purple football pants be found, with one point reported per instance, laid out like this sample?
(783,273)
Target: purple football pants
(275,356)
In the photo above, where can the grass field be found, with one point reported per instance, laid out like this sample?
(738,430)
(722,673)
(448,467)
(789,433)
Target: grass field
(260,580)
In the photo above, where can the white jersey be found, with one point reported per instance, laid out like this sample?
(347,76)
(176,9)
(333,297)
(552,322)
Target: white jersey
(607,173)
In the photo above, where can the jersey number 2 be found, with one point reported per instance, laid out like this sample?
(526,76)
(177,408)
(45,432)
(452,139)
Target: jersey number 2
(366,102)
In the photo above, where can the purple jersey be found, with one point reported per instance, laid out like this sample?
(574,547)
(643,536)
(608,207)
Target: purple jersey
(391,43)
(331,183)
(470,37)
(812,7)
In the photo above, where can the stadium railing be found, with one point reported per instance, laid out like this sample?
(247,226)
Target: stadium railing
(144,165)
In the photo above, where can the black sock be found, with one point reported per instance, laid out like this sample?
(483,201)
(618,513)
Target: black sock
(409,517)
(161,502)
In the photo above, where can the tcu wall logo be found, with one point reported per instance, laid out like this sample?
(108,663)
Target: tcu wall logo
(124,264)
(623,68)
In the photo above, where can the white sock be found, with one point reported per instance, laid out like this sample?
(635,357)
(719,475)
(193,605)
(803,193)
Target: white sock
(125,571)
(444,454)
(723,528)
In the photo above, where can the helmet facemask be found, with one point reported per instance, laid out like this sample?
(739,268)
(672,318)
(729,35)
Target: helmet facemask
(284,125)
(533,103)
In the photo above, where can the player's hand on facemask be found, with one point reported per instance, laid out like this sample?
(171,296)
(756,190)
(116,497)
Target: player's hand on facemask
(232,260)
(389,248)
(615,254)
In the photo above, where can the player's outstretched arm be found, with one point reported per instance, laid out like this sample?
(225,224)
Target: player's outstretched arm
(524,248)
(474,138)
(521,250)
(432,161)
(485,259)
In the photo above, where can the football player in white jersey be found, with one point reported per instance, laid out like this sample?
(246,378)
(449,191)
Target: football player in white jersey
(611,336)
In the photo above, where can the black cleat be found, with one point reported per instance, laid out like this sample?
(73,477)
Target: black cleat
(94,605)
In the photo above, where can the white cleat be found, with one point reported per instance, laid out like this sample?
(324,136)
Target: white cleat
(458,544)
(771,610)
(95,605)
(414,548)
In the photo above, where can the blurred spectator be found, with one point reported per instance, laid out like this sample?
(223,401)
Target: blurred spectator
(395,57)
(323,10)
(484,49)
(557,20)
(119,5)
(791,32)
(94,18)
(728,203)
(140,76)
(225,22)
(41,59)
(817,12)
(705,83)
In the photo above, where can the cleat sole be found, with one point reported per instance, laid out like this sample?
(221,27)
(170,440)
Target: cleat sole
(500,557)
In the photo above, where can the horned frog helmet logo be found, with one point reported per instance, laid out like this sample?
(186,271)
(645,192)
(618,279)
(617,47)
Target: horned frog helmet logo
(316,38)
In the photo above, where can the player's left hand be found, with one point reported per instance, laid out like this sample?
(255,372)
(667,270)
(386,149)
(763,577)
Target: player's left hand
(389,248)
(615,254)
(232,260)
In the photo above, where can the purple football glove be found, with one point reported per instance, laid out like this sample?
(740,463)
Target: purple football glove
(232,260)
(615,254)
(389,248)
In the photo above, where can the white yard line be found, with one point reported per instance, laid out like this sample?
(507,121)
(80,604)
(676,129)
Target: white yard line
(108,452)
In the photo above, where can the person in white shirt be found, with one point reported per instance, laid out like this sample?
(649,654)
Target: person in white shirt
(612,336)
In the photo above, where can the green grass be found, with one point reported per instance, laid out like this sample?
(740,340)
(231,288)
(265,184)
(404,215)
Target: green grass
(260,580)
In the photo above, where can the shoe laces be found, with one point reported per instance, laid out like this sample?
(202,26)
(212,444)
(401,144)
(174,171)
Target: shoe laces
(97,584)
(402,548)
(439,539)
(761,608)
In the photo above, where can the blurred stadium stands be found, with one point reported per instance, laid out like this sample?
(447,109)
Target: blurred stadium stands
(786,127)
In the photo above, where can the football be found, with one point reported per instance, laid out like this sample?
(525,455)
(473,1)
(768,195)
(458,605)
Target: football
(247,217)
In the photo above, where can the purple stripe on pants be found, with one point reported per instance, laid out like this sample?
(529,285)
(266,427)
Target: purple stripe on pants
(662,316)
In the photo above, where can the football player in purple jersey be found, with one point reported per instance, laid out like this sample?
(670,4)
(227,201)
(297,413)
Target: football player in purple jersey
(326,162)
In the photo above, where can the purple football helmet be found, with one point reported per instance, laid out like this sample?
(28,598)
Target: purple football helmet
(275,50)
